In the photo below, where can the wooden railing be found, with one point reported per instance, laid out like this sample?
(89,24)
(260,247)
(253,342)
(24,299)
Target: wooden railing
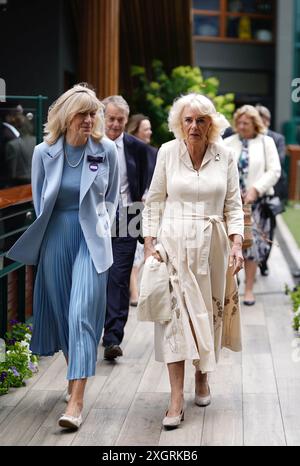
(293,152)
(16,280)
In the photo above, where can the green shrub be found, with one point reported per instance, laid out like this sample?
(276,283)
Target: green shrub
(295,298)
(154,97)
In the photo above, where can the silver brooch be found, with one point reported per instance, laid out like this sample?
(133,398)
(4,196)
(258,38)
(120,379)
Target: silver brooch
(217,158)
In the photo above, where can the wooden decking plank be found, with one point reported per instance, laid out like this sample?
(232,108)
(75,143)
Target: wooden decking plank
(141,342)
(190,431)
(50,433)
(262,420)
(120,387)
(101,427)
(289,389)
(55,377)
(27,417)
(143,422)
(223,422)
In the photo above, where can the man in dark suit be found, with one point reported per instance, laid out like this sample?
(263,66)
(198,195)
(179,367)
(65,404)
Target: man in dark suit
(228,132)
(152,155)
(281,187)
(133,155)
(11,114)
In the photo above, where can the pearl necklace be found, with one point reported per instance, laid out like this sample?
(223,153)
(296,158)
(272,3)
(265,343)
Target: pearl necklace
(80,159)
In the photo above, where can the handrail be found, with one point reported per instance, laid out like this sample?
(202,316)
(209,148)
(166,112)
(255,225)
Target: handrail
(12,207)
(26,97)
(15,196)
(294,187)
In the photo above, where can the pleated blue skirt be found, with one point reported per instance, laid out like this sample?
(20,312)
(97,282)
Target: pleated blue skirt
(69,297)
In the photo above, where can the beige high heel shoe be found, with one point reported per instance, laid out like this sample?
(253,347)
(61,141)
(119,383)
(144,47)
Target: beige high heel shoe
(203,400)
(171,422)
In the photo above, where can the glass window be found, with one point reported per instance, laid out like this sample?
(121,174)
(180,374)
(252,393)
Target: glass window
(264,7)
(246,27)
(206,25)
(250,6)
(262,30)
(206,4)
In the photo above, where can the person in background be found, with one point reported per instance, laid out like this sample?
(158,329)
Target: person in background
(75,188)
(281,187)
(139,126)
(228,132)
(133,162)
(18,155)
(194,210)
(11,118)
(259,169)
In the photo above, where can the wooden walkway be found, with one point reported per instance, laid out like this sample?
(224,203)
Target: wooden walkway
(256,393)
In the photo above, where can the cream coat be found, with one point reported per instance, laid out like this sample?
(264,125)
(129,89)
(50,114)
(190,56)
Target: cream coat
(262,175)
(192,213)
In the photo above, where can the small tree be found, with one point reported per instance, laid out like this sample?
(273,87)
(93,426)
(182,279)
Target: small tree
(155,97)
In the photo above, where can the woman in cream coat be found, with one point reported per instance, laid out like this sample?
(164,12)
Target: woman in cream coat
(259,168)
(193,209)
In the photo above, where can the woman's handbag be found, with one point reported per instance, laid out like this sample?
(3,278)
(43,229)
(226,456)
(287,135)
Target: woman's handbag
(271,206)
(154,303)
(248,225)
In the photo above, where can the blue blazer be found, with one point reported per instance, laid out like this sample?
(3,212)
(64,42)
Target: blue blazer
(99,195)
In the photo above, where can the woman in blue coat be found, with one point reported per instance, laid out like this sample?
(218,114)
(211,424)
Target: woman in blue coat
(75,188)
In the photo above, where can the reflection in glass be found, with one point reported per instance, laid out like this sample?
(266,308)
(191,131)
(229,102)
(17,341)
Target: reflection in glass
(251,6)
(206,4)
(206,25)
(259,29)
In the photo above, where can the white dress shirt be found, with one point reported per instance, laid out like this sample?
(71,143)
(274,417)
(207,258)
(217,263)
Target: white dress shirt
(125,195)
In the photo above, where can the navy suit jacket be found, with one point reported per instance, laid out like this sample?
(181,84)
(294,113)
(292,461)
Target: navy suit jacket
(136,154)
(280,144)
(6,135)
(152,154)
(281,187)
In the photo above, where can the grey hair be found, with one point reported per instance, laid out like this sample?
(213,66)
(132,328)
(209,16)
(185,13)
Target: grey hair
(264,112)
(205,107)
(118,101)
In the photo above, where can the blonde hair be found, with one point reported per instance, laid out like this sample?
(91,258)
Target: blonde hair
(252,113)
(79,99)
(205,107)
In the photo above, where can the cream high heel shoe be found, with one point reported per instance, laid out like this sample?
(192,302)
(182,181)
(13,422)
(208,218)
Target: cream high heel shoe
(171,422)
(203,400)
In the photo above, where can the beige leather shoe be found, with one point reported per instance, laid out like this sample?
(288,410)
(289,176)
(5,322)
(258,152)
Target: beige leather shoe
(203,400)
(70,422)
(171,422)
